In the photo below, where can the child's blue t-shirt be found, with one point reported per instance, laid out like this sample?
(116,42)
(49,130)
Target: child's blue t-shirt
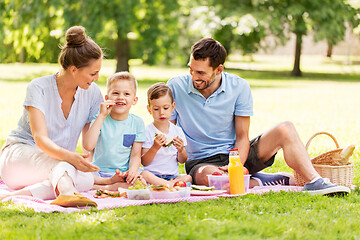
(115,141)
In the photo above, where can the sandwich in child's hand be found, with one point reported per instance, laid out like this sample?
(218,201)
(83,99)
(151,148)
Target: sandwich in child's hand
(169,140)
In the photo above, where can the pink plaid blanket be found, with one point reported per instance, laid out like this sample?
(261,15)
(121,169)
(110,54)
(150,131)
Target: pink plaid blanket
(39,205)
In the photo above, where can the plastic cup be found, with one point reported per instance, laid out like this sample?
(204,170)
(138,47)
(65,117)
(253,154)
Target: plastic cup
(246,182)
(220,182)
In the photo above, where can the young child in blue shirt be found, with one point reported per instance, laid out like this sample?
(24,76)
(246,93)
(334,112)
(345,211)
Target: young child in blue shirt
(164,147)
(116,135)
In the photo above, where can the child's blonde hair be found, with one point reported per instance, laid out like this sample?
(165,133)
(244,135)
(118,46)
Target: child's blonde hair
(121,76)
(159,90)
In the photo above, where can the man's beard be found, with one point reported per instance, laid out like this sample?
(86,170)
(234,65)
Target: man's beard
(206,86)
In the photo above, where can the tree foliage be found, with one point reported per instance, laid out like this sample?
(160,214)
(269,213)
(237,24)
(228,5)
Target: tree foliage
(343,14)
(247,22)
(27,26)
(162,31)
(137,28)
(147,27)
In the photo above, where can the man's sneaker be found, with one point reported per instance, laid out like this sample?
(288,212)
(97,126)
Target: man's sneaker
(323,186)
(273,179)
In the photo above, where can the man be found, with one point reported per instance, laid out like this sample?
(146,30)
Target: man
(214,107)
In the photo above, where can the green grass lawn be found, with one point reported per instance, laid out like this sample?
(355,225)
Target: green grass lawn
(326,99)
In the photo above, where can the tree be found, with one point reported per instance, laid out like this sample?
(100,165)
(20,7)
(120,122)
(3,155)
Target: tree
(237,26)
(280,18)
(325,18)
(151,23)
(26,26)
(139,28)
(340,13)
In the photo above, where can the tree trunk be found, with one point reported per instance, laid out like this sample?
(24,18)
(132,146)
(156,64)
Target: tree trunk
(296,70)
(329,50)
(122,55)
(22,55)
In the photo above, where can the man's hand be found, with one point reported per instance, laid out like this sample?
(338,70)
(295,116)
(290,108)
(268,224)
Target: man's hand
(225,169)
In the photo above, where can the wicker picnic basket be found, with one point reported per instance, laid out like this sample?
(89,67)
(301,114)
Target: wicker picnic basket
(327,165)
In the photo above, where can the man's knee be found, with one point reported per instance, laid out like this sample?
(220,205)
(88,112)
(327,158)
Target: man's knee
(201,173)
(286,129)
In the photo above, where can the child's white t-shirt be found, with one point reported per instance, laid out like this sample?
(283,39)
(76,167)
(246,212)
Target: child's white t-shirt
(165,161)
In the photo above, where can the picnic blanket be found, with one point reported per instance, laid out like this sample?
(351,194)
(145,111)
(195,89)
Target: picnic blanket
(39,205)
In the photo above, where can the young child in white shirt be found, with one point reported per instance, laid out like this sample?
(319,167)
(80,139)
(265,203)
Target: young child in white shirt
(164,147)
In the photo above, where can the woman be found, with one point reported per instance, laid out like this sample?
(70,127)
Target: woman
(39,157)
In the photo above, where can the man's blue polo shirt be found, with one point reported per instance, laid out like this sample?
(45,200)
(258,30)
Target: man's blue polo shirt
(209,124)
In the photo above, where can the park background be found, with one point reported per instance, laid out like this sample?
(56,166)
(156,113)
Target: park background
(301,58)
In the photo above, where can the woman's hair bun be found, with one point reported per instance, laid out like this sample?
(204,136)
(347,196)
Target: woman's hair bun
(75,36)
(79,49)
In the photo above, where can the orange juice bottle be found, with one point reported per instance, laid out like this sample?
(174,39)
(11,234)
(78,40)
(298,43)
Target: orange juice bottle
(236,173)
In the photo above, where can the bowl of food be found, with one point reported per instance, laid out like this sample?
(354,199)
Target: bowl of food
(139,191)
(165,192)
(138,194)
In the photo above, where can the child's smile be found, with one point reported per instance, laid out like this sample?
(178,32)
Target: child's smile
(122,92)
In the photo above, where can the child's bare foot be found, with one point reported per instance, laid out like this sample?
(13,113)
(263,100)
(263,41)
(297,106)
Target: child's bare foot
(142,179)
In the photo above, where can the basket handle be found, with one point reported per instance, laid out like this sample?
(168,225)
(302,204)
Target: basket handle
(319,133)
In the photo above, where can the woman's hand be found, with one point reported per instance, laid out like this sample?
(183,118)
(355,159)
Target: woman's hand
(80,162)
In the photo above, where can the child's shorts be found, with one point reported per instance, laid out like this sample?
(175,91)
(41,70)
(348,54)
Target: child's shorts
(110,174)
(167,177)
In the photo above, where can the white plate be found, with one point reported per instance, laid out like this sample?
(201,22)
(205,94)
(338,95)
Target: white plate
(206,193)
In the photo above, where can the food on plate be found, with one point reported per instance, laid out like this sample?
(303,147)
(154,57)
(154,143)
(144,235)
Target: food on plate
(180,184)
(106,193)
(202,188)
(169,140)
(157,192)
(160,188)
(138,185)
(165,188)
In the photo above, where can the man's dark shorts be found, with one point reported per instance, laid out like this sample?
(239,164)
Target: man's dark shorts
(253,163)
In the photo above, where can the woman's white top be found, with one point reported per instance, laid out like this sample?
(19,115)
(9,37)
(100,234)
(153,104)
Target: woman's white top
(42,93)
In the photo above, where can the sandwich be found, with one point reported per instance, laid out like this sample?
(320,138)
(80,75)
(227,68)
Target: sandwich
(169,140)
